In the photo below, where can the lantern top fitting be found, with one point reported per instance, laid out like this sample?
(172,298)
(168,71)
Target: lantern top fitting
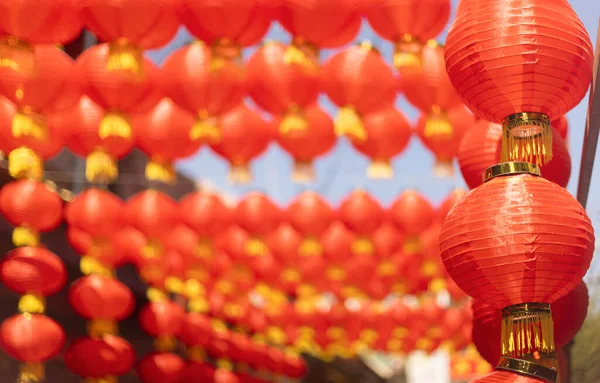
(511,168)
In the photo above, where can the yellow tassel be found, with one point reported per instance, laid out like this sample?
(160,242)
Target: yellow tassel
(91,266)
(528,330)
(32,304)
(192,289)
(17,55)
(302,53)
(25,163)
(276,336)
(290,275)
(363,246)
(412,245)
(438,125)
(101,167)
(174,285)
(198,305)
(161,171)
(387,269)
(310,247)
(114,124)
(100,327)
(293,121)
(380,169)
(443,168)
(152,249)
(303,172)
(26,123)
(205,129)
(32,372)
(165,343)
(408,53)
(527,137)
(437,285)
(348,123)
(196,354)
(335,273)
(123,56)
(25,236)
(255,247)
(240,174)
(156,295)
(400,332)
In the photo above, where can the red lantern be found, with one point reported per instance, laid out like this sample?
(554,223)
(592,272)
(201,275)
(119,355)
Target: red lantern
(247,23)
(360,82)
(160,368)
(95,211)
(388,241)
(99,297)
(163,134)
(447,205)
(100,357)
(412,214)
(197,372)
(285,243)
(306,145)
(561,125)
(162,319)
(388,133)
(282,88)
(117,92)
(408,24)
(259,217)
(130,27)
(204,93)
(153,213)
(444,145)
(244,136)
(481,148)
(32,207)
(362,215)
(311,216)
(523,83)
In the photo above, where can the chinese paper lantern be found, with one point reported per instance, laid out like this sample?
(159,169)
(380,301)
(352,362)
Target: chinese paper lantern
(285,243)
(311,216)
(117,92)
(544,258)
(197,372)
(259,217)
(35,22)
(561,125)
(306,145)
(409,25)
(412,214)
(247,23)
(388,133)
(280,88)
(244,136)
(163,134)
(189,82)
(130,27)
(160,368)
(360,82)
(481,148)
(162,319)
(97,297)
(32,207)
(524,85)
(447,204)
(315,25)
(100,358)
(388,241)
(362,215)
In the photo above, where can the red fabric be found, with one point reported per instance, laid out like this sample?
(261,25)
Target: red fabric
(481,148)
(196,329)
(337,242)
(561,125)
(162,318)
(359,77)
(41,21)
(205,213)
(277,86)
(112,252)
(448,203)
(32,204)
(388,134)
(257,214)
(33,270)
(160,368)
(164,132)
(35,338)
(95,211)
(80,126)
(147,24)
(424,20)
(100,357)
(244,22)
(117,90)
(506,57)
(187,78)
(361,213)
(537,257)
(388,240)
(310,214)
(98,297)
(324,23)
(244,136)
(152,212)
(314,141)
(197,372)
(428,85)
(411,213)
(505,377)
(294,366)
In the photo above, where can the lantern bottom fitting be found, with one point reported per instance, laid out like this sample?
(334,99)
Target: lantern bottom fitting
(527,368)
(510,168)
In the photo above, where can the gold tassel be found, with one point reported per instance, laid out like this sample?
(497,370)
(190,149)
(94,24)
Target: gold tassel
(205,129)
(25,163)
(17,55)
(101,167)
(165,343)
(363,246)
(32,372)
(115,124)
(412,245)
(174,285)
(335,273)
(438,125)
(161,171)
(302,53)
(443,168)
(156,295)
(32,304)
(386,269)
(348,123)
(408,53)
(303,172)
(224,50)
(290,275)
(27,123)
(192,289)
(152,249)
(380,169)
(527,137)
(92,266)
(310,247)
(25,236)
(198,305)
(124,56)
(240,174)
(255,247)
(276,336)
(196,354)
(100,327)
(293,121)
(527,329)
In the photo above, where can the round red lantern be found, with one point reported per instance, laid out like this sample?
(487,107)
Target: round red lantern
(408,24)
(285,243)
(412,214)
(447,205)
(95,211)
(130,27)
(162,318)
(160,368)
(99,297)
(311,216)
(281,88)
(523,82)
(388,133)
(306,145)
(164,135)
(117,92)
(32,207)
(31,338)
(153,213)
(100,357)
(481,148)
(360,82)
(259,217)
(561,125)
(204,93)
(362,215)
(244,136)
(197,372)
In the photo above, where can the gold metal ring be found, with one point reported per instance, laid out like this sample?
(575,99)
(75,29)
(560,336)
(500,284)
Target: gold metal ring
(510,168)
(527,368)
(526,308)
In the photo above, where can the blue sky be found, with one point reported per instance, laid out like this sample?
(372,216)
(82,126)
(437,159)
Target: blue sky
(344,169)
